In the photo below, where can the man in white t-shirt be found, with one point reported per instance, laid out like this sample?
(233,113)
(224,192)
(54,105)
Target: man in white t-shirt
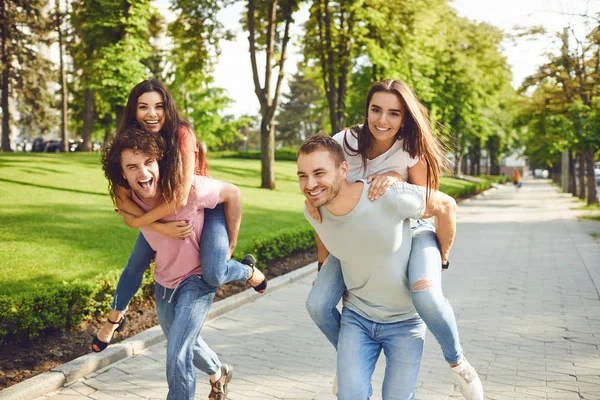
(372,240)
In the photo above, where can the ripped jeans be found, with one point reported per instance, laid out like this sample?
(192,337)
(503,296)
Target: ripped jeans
(425,264)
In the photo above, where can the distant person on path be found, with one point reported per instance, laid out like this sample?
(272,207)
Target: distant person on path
(183,296)
(396,143)
(151,107)
(370,240)
(517,178)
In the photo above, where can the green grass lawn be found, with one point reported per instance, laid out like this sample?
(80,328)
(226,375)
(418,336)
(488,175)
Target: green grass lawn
(58,224)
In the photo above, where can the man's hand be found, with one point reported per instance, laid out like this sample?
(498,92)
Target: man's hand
(314,212)
(380,183)
(230,251)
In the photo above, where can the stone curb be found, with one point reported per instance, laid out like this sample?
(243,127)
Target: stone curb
(53,380)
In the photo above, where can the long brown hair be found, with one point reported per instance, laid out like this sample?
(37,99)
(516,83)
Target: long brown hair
(416,132)
(171,181)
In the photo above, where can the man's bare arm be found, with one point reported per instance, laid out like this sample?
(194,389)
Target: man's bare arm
(443,208)
(322,251)
(231,196)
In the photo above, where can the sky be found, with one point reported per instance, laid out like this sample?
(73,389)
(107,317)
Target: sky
(233,71)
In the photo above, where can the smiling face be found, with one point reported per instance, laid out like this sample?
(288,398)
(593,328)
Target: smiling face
(385,116)
(320,179)
(150,111)
(141,172)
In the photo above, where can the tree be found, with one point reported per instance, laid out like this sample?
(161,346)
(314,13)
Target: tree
(23,29)
(575,75)
(302,112)
(264,21)
(197,35)
(111,46)
(334,33)
(58,16)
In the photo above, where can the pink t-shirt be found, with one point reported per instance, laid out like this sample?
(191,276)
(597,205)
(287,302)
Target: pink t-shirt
(176,260)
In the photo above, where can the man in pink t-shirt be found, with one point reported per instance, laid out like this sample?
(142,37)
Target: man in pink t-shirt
(183,298)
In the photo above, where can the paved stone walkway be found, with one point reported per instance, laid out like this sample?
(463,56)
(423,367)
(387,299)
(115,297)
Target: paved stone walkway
(524,285)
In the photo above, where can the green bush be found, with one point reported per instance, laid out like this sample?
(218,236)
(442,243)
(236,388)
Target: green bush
(283,154)
(500,179)
(282,243)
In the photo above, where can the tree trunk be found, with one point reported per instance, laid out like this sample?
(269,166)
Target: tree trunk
(267,154)
(572,182)
(63,82)
(493,149)
(88,120)
(581,191)
(592,192)
(5,78)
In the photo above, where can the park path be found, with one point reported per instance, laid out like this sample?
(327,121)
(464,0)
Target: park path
(524,283)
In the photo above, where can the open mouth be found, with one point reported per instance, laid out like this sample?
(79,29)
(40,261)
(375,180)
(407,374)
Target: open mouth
(146,183)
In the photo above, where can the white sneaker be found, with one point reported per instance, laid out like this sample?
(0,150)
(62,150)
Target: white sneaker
(334,385)
(468,381)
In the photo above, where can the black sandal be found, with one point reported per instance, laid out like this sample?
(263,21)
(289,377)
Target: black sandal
(250,261)
(219,388)
(98,345)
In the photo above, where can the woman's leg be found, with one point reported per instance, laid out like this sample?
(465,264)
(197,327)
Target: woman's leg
(425,279)
(214,246)
(324,297)
(129,282)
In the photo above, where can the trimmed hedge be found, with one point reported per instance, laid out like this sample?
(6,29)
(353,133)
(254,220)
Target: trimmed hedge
(500,179)
(283,154)
(30,316)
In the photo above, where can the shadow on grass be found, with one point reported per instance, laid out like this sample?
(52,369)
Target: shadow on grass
(240,172)
(53,187)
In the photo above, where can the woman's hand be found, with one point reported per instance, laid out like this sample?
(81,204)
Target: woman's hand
(176,229)
(128,219)
(314,212)
(379,185)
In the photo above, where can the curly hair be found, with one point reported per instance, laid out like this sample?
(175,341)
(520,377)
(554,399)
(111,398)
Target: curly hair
(138,141)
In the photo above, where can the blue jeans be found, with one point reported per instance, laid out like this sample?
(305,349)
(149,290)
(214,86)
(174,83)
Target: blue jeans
(214,246)
(432,306)
(359,346)
(181,314)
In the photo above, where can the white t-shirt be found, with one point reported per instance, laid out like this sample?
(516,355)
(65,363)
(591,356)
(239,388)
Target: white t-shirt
(395,159)
(373,243)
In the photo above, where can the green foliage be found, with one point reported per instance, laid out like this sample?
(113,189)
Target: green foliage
(110,52)
(302,111)
(282,243)
(283,154)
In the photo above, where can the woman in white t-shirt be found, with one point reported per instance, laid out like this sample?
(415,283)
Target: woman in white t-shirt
(396,142)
